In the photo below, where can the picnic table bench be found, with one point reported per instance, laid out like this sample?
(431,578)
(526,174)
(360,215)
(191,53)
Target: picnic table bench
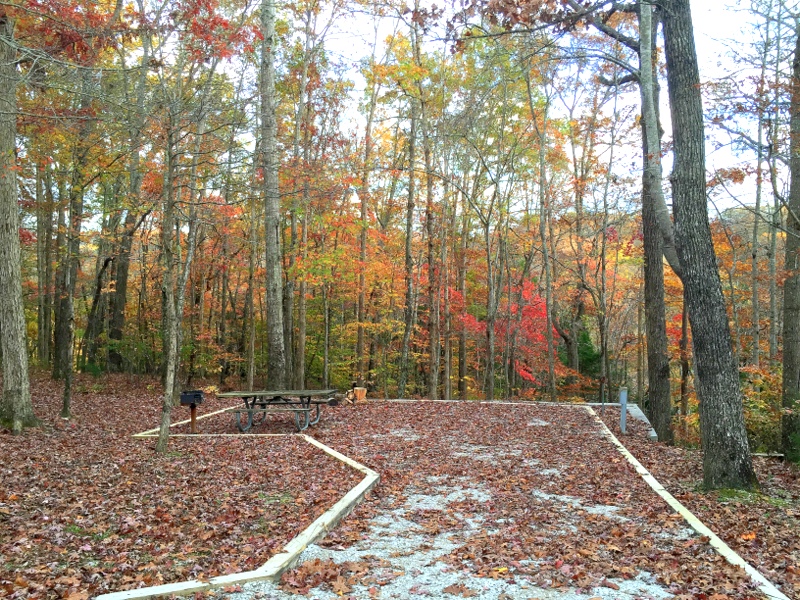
(301,402)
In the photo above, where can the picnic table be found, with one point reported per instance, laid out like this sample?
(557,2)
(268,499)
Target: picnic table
(301,402)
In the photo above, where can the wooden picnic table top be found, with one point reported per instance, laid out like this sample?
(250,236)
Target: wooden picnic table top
(277,393)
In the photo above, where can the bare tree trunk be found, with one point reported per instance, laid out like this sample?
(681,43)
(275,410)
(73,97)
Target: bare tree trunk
(326,310)
(659,407)
(685,367)
(59,291)
(276,365)
(491,308)
(16,410)
(300,356)
(363,195)
(660,400)
(168,286)
(251,316)
(73,245)
(755,303)
(640,346)
(462,288)
(790,436)
(447,233)
(409,262)
(726,454)
(544,221)
(774,323)
(44,229)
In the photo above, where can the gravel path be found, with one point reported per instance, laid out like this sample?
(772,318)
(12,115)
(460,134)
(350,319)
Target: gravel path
(500,503)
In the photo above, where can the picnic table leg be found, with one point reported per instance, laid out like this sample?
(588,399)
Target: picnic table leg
(315,420)
(246,426)
(301,419)
(261,417)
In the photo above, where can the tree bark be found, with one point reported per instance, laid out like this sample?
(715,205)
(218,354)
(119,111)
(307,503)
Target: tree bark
(170,319)
(727,462)
(276,364)
(73,246)
(409,262)
(16,410)
(363,194)
(790,424)
(660,401)
(462,289)
(44,232)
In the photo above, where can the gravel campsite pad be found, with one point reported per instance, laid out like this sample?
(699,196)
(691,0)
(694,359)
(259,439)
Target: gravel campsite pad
(497,501)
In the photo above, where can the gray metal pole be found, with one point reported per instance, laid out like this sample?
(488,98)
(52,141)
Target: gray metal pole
(623,408)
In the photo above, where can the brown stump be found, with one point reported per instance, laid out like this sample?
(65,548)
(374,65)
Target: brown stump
(360,394)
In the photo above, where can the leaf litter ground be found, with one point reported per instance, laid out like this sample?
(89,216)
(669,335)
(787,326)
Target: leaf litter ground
(476,500)
(496,501)
(86,509)
(762,527)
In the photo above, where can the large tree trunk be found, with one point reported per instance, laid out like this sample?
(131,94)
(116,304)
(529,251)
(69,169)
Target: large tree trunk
(170,320)
(276,363)
(727,462)
(16,410)
(660,401)
(790,436)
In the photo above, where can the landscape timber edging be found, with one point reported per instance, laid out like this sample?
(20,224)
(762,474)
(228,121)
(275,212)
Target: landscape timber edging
(284,560)
(765,586)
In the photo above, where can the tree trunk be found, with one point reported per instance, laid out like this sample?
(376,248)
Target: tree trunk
(16,410)
(73,245)
(685,367)
(300,356)
(462,289)
(790,435)
(119,296)
(660,400)
(409,262)
(727,462)
(363,197)
(170,319)
(544,222)
(640,346)
(251,316)
(276,363)
(44,231)
(659,407)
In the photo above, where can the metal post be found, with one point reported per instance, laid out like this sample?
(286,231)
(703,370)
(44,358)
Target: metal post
(623,408)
